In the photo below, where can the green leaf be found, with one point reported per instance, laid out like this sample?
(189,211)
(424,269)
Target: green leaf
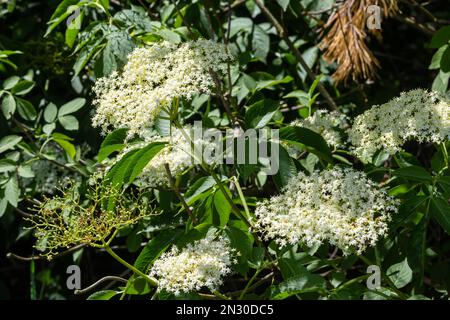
(10,82)
(270,83)
(300,283)
(287,168)
(7,165)
(71,106)
(437,57)
(441,37)
(60,14)
(8,106)
(445,60)
(23,87)
(260,113)
(440,83)
(313,141)
(154,248)
(143,157)
(48,128)
(223,207)
(50,113)
(67,146)
(9,142)
(102,295)
(26,109)
(241,240)
(137,285)
(73,29)
(283,4)
(406,209)
(441,212)
(112,143)
(69,122)
(198,188)
(400,274)
(414,173)
(260,43)
(25,171)
(12,191)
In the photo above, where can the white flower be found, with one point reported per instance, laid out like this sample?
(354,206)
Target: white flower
(153,77)
(327,124)
(415,115)
(201,264)
(339,206)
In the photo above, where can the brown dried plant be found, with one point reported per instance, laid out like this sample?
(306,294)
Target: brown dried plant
(344,39)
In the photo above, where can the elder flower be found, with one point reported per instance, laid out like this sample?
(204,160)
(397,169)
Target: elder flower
(200,264)
(153,77)
(339,206)
(416,115)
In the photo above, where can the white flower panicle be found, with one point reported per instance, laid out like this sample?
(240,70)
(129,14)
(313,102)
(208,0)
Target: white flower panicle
(327,124)
(415,115)
(177,154)
(340,206)
(198,265)
(152,78)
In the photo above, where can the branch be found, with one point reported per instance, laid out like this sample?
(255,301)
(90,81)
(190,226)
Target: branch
(179,195)
(99,282)
(34,258)
(283,34)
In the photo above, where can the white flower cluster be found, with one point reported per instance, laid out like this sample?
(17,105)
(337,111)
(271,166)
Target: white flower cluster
(200,264)
(415,115)
(327,124)
(340,206)
(152,78)
(177,154)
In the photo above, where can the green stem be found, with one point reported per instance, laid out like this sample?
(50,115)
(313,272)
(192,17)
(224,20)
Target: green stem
(249,283)
(151,281)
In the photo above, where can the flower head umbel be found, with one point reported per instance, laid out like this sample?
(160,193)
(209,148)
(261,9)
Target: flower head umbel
(416,115)
(153,77)
(339,206)
(200,264)
(329,124)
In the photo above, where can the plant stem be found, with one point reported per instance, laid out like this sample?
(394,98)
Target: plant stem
(151,281)
(283,34)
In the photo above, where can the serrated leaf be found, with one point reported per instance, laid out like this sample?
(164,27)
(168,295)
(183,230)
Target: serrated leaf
(414,173)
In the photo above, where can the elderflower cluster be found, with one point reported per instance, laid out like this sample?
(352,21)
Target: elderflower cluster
(153,77)
(415,115)
(339,206)
(328,124)
(200,264)
(182,151)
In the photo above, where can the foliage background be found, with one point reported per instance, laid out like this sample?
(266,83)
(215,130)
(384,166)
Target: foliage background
(63,67)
